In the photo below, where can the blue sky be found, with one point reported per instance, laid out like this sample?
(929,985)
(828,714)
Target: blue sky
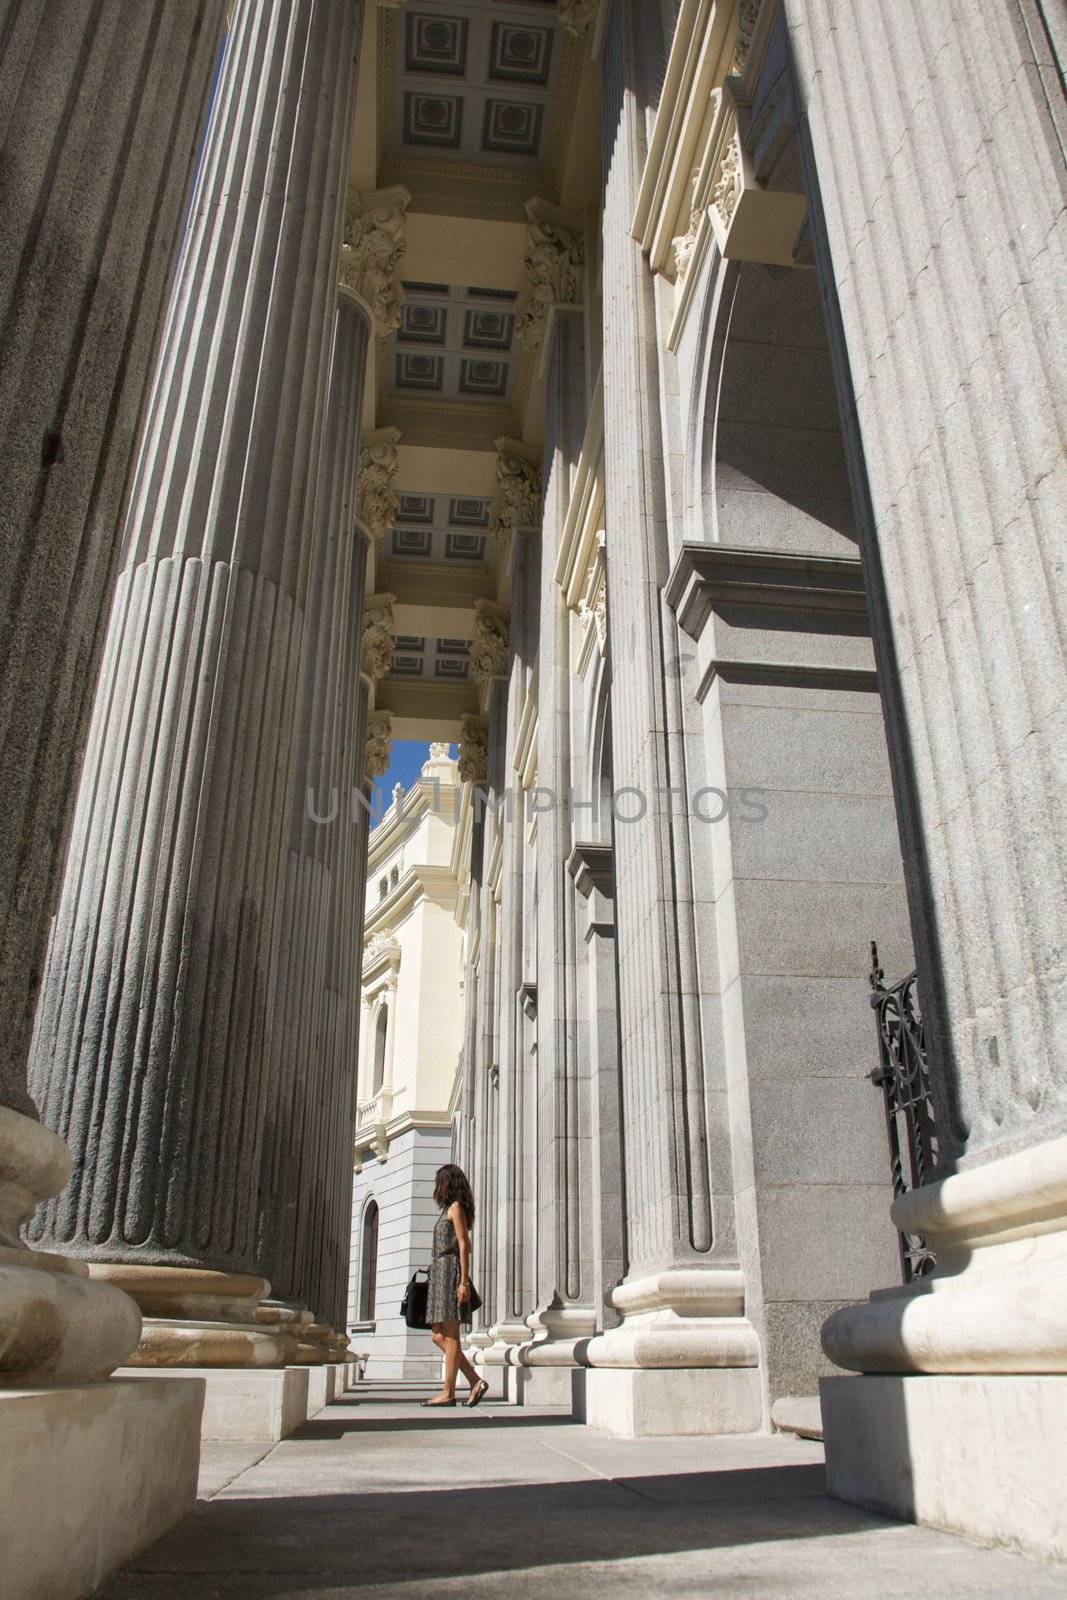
(407,758)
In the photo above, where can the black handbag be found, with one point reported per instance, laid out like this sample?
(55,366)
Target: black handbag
(416,1295)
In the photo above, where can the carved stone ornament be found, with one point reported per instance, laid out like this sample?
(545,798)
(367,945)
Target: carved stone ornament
(728,185)
(593,606)
(747,12)
(473,749)
(381,944)
(517,504)
(577,16)
(489,647)
(554,259)
(376,499)
(372,246)
(379,739)
(379,635)
(439,752)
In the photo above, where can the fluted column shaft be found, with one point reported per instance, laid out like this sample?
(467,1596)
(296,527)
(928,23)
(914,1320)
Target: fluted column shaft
(933,137)
(305,1215)
(666,1096)
(153,1045)
(99,112)
(563,1155)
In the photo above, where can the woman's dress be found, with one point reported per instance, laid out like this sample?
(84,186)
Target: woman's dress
(441,1302)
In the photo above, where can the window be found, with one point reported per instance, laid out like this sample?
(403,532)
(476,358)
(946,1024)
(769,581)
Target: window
(394,876)
(381,1028)
(368,1266)
(383,888)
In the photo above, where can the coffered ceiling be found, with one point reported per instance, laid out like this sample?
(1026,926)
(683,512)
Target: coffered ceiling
(478,90)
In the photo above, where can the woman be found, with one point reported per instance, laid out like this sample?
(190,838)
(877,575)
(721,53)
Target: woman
(448,1302)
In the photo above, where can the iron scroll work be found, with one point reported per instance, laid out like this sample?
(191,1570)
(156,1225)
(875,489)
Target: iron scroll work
(904,1080)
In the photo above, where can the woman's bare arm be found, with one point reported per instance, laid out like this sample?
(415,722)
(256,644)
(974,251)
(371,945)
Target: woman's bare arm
(463,1239)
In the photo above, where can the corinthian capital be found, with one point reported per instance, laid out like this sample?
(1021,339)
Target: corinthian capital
(517,503)
(376,499)
(379,739)
(379,635)
(371,249)
(473,749)
(554,259)
(577,16)
(489,647)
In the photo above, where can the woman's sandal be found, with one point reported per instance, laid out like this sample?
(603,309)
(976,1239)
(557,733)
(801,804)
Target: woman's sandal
(479,1392)
(437,1405)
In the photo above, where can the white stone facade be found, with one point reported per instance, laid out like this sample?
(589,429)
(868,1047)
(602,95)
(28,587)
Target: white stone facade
(411,1036)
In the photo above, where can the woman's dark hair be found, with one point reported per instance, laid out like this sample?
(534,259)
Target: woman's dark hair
(451,1185)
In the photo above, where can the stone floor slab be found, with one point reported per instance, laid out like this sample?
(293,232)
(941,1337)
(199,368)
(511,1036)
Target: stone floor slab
(387,1502)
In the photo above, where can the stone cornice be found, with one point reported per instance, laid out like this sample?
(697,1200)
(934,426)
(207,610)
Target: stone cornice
(592,867)
(708,576)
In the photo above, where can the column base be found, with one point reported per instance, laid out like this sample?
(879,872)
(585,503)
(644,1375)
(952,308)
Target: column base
(495,1360)
(547,1367)
(636,1403)
(56,1324)
(247,1407)
(195,1317)
(89,1476)
(978,1455)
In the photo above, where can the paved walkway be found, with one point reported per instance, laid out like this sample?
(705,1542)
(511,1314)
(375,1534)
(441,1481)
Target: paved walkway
(382,1501)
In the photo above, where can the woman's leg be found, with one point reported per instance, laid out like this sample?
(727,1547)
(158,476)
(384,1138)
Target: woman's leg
(455,1360)
(448,1390)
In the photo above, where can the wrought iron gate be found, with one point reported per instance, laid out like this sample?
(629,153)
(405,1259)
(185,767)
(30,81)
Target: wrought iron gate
(902,1076)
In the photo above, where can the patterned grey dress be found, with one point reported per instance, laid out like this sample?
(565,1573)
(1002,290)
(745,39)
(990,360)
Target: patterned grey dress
(441,1303)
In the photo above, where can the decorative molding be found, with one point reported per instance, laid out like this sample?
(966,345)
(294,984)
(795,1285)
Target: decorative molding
(708,576)
(517,505)
(592,868)
(489,647)
(379,635)
(439,751)
(379,741)
(376,498)
(372,245)
(554,260)
(473,749)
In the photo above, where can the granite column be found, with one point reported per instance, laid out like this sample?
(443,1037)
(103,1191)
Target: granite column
(153,1046)
(102,107)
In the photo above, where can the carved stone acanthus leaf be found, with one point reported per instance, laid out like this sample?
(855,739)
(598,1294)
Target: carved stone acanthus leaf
(439,752)
(517,504)
(376,499)
(554,259)
(379,739)
(473,749)
(577,16)
(379,635)
(372,246)
(489,647)
(728,185)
